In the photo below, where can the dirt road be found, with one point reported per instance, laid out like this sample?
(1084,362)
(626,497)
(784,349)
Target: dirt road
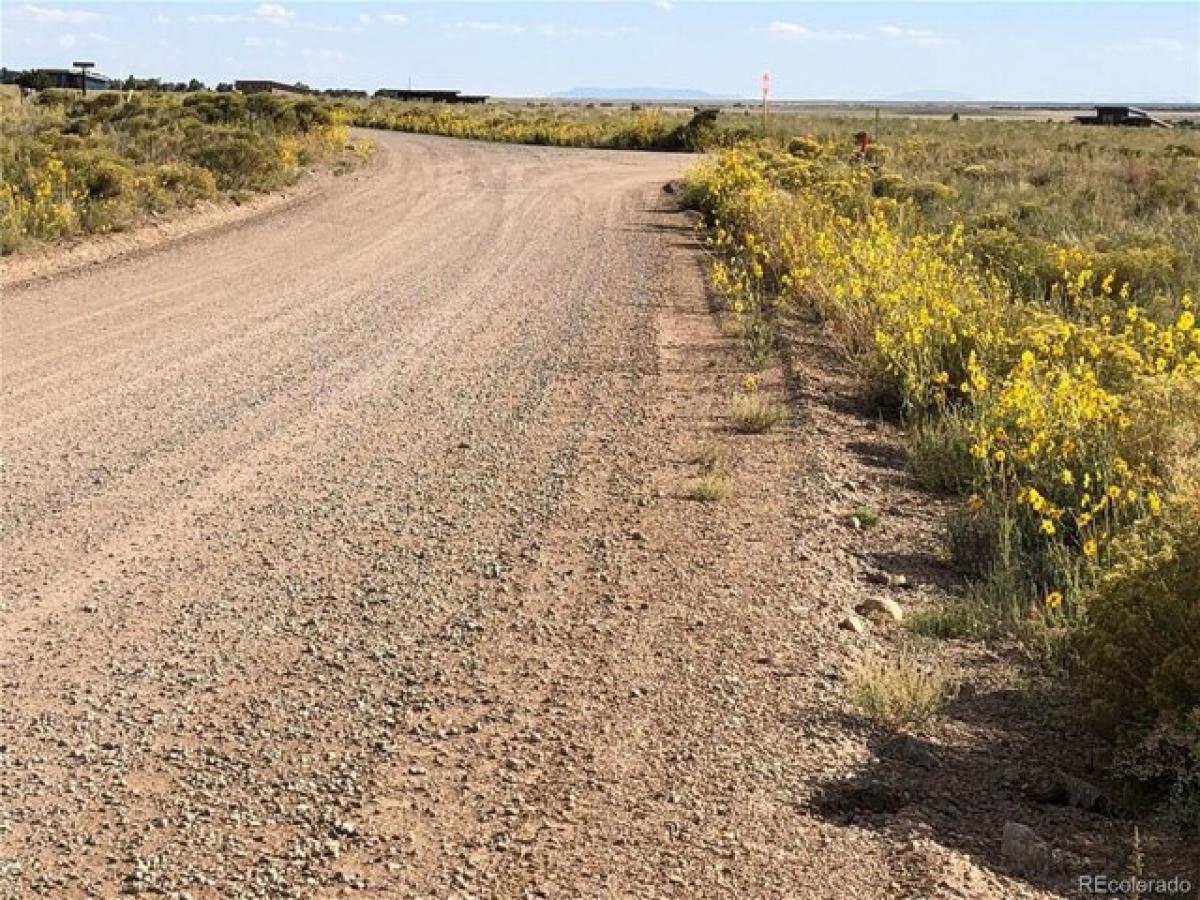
(347,552)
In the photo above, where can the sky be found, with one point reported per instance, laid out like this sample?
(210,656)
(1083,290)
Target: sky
(970,49)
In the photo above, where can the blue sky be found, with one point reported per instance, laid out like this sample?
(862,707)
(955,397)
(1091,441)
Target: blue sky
(848,50)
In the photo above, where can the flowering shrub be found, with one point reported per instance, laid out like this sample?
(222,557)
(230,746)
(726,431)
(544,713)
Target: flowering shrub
(73,166)
(1071,413)
(1069,405)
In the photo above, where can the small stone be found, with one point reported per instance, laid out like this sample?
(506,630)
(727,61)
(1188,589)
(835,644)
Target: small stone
(853,623)
(883,606)
(1021,847)
(911,750)
(1067,790)
(886,579)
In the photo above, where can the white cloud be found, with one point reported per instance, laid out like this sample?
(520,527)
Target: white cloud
(271,12)
(913,35)
(557,31)
(664,5)
(390,18)
(162,20)
(542,29)
(804,33)
(264,13)
(52,15)
(331,28)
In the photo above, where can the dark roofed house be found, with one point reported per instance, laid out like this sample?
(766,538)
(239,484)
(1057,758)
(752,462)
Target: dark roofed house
(262,86)
(430,96)
(1122,115)
(70,78)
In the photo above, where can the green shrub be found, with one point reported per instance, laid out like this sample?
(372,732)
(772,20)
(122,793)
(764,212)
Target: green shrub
(106,179)
(1025,263)
(755,414)
(1142,646)
(888,184)
(189,183)
(1140,656)
(239,161)
(929,193)
(940,455)
(72,165)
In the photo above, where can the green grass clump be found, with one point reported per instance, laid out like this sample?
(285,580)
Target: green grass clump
(755,414)
(864,516)
(954,620)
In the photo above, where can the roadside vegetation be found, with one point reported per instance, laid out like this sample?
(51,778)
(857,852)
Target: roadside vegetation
(72,166)
(1022,296)
(624,128)
(903,690)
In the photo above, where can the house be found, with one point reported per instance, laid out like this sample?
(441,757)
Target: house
(70,78)
(1122,115)
(255,86)
(430,96)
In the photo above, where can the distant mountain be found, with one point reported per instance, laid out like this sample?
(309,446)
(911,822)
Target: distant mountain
(636,93)
(930,96)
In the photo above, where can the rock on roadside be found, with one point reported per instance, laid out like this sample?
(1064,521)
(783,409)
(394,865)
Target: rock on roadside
(1022,848)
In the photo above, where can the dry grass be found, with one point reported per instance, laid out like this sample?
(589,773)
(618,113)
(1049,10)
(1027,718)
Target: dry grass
(710,457)
(755,414)
(710,487)
(901,690)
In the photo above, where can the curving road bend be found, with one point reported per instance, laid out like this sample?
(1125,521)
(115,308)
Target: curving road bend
(344,554)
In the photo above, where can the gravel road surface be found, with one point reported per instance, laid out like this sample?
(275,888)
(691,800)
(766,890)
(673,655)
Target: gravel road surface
(346,552)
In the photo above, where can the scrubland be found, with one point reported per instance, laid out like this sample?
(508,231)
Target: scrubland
(72,166)
(1022,298)
(622,128)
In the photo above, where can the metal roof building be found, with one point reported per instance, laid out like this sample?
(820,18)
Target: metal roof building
(1122,115)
